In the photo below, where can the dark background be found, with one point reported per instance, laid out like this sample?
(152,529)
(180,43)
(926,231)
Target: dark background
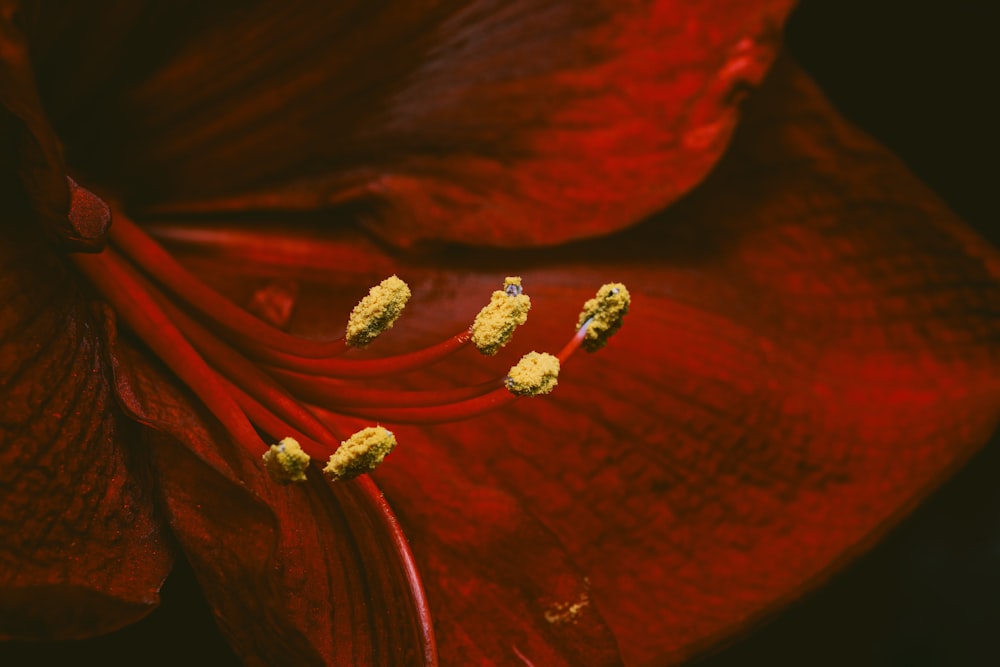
(920,77)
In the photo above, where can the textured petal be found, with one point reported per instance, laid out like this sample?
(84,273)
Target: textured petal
(81,550)
(814,344)
(309,574)
(478,120)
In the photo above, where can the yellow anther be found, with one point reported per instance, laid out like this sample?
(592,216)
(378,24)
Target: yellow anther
(495,324)
(605,311)
(285,462)
(377,312)
(360,454)
(536,373)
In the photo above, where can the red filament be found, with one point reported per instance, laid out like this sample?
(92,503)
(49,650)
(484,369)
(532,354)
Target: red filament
(253,376)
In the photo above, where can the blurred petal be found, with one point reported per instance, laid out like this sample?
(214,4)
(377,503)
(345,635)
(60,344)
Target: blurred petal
(81,552)
(502,123)
(308,574)
(814,344)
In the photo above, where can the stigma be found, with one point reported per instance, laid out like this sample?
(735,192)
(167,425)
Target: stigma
(264,384)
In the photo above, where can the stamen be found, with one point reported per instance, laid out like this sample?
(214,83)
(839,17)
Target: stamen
(286,462)
(535,374)
(360,454)
(377,312)
(605,312)
(382,405)
(495,324)
(251,375)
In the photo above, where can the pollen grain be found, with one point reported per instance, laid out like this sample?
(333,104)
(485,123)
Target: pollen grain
(535,374)
(377,312)
(360,454)
(285,462)
(605,313)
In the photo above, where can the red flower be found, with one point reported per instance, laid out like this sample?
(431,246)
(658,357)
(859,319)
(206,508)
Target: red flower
(809,348)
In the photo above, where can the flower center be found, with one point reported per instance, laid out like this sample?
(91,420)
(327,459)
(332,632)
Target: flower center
(256,378)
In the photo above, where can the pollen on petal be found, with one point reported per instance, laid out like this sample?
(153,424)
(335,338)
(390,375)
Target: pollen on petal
(285,462)
(377,312)
(360,454)
(606,311)
(495,324)
(536,373)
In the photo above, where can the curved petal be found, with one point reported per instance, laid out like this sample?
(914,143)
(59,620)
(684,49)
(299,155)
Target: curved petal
(504,123)
(812,347)
(304,575)
(81,549)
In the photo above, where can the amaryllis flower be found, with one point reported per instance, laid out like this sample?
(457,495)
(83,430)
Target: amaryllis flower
(810,348)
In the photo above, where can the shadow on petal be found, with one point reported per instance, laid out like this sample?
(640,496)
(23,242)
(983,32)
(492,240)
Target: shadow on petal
(83,551)
(306,574)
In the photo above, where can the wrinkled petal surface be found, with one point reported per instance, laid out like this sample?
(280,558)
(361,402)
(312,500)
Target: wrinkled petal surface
(484,121)
(82,551)
(812,347)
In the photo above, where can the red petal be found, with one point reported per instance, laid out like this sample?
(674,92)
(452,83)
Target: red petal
(502,588)
(501,123)
(80,550)
(305,575)
(811,349)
